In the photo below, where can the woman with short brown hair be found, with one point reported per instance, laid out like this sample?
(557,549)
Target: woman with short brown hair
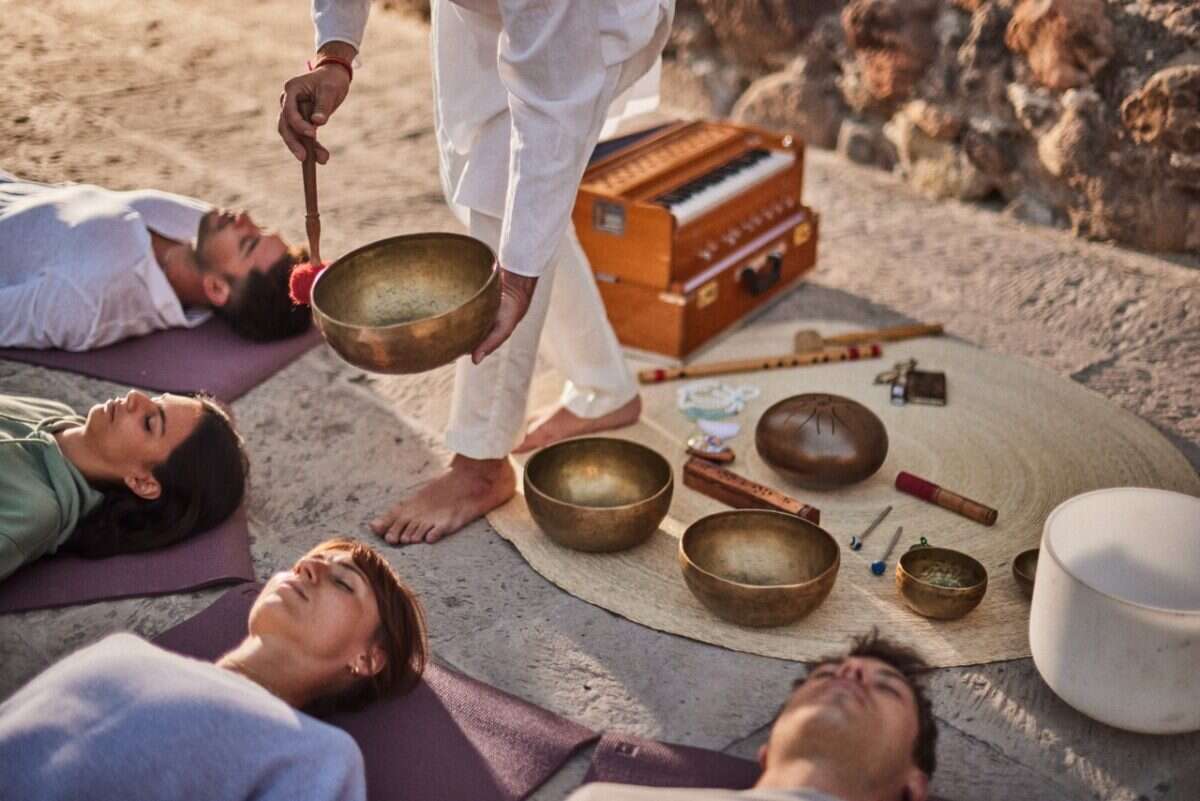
(126,719)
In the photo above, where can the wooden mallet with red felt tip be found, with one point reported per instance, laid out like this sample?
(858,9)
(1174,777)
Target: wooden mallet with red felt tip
(301,280)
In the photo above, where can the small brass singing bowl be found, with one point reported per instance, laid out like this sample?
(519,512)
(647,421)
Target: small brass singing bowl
(756,567)
(940,583)
(598,494)
(1025,570)
(408,304)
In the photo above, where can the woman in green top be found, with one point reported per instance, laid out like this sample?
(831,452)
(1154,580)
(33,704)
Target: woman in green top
(137,473)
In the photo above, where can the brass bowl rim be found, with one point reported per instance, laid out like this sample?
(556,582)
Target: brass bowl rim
(492,278)
(757,513)
(1022,557)
(903,571)
(532,485)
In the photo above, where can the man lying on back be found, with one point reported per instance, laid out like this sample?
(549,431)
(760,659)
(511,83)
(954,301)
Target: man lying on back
(82,267)
(857,728)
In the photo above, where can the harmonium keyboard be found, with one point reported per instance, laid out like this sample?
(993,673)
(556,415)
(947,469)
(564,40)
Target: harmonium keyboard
(693,227)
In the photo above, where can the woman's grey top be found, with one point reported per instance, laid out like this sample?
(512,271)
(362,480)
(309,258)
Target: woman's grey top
(124,719)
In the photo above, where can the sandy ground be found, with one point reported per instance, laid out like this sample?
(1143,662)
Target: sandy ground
(182,96)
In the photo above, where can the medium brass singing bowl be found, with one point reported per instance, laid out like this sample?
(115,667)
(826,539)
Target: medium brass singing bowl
(598,494)
(1025,570)
(757,567)
(821,441)
(408,304)
(939,582)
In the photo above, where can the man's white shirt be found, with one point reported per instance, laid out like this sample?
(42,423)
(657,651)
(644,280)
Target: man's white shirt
(77,267)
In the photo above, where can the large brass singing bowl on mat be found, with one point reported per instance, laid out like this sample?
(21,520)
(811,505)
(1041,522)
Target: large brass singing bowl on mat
(821,441)
(408,304)
(759,568)
(598,493)
(940,583)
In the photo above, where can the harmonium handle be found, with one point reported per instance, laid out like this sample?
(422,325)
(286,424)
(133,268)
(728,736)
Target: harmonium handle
(758,281)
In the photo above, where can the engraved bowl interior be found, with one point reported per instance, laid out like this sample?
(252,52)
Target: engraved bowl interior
(758,567)
(940,582)
(408,303)
(598,494)
(385,285)
(598,472)
(760,550)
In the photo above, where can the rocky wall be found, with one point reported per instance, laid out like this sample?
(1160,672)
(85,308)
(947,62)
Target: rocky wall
(1081,113)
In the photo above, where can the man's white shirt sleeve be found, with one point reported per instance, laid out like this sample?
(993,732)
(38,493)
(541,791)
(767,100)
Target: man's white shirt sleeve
(551,65)
(340,21)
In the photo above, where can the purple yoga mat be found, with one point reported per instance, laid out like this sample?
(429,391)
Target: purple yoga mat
(622,759)
(209,358)
(219,556)
(451,739)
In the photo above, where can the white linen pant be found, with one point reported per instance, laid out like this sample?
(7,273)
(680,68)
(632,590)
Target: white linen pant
(487,412)
(489,404)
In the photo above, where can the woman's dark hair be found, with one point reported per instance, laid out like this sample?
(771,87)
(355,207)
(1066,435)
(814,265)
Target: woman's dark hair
(401,634)
(203,481)
(260,306)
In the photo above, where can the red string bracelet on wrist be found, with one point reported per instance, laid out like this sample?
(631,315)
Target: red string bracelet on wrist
(324,59)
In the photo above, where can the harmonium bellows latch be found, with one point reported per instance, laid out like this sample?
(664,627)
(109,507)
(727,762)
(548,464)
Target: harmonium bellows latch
(686,210)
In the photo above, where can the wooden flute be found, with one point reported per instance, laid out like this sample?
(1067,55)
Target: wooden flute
(656,375)
(740,492)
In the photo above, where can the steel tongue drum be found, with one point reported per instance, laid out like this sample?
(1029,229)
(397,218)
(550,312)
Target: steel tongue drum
(821,441)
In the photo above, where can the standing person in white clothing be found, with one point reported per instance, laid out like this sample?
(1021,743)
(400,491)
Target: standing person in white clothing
(522,92)
(82,267)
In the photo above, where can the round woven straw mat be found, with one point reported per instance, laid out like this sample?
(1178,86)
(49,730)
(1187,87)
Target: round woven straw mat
(1013,436)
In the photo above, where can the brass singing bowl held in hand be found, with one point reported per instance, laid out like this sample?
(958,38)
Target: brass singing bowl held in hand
(821,441)
(410,303)
(939,582)
(757,567)
(598,494)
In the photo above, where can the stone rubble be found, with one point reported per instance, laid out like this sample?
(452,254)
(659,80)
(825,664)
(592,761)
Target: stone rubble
(1086,111)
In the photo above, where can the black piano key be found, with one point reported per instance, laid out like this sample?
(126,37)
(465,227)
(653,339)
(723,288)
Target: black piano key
(713,177)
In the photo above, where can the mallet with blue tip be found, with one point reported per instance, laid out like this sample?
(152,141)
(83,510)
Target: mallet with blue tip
(856,542)
(880,565)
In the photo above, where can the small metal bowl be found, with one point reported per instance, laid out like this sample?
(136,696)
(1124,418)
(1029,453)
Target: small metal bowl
(408,304)
(1025,569)
(756,567)
(939,582)
(598,494)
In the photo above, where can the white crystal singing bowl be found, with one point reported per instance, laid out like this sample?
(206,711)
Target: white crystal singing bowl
(1115,623)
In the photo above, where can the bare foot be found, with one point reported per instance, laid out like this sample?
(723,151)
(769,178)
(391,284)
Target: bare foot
(562,424)
(467,491)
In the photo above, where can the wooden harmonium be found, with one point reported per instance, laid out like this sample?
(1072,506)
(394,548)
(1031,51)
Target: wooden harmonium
(692,228)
